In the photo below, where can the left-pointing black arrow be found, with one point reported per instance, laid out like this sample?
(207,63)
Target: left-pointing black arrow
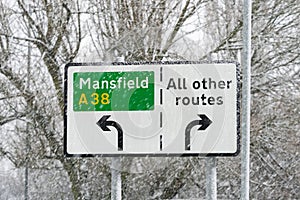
(204,122)
(103,123)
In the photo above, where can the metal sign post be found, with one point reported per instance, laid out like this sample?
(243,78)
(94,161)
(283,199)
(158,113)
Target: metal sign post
(116,178)
(26,191)
(116,181)
(246,92)
(211,178)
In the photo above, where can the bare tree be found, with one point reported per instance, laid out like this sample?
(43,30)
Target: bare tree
(139,30)
(53,33)
(146,30)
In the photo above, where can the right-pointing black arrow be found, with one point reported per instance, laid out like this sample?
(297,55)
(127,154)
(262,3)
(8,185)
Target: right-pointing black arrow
(103,123)
(204,122)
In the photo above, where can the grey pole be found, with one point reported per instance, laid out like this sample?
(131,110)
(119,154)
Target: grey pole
(211,169)
(245,127)
(116,181)
(211,178)
(26,196)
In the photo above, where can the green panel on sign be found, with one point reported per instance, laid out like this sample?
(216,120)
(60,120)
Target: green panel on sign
(113,91)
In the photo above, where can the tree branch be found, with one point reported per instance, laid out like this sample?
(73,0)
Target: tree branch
(8,119)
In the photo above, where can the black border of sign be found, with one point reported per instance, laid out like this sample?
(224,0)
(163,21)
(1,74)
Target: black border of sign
(238,88)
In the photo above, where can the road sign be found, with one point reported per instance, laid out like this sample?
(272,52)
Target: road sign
(158,109)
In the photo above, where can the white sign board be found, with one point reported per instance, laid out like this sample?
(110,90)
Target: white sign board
(158,109)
